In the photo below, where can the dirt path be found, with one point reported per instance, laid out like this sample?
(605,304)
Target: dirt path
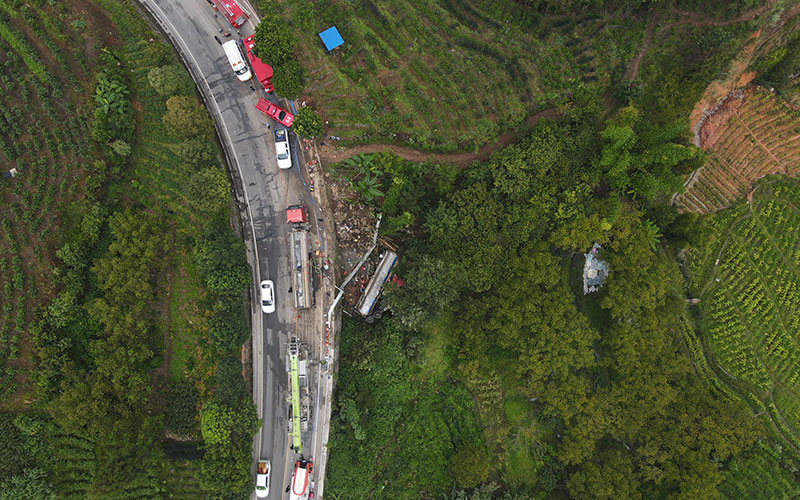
(331,155)
(690,18)
(633,71)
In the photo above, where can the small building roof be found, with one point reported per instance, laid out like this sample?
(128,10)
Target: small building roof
(595,271)
(331,38)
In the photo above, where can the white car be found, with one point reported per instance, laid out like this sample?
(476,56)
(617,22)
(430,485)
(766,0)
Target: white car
(267,296)
(262,478)
(282,151)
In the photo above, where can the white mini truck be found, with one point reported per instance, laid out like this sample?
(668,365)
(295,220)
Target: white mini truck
(282,151)
(262,478)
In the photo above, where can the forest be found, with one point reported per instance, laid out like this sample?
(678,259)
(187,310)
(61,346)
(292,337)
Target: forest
(596,401)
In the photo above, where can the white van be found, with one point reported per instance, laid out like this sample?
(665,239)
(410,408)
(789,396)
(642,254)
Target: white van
(237,59)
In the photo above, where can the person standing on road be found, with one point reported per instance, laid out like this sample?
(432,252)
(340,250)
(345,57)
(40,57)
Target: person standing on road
(217,39)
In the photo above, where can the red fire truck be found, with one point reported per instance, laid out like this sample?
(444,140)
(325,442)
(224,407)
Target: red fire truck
(262,69)
(232,12)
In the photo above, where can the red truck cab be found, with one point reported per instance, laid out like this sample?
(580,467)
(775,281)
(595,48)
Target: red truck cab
(262,69)
(296,214)
(232,12)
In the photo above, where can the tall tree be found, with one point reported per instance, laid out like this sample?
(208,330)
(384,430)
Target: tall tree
(274,40)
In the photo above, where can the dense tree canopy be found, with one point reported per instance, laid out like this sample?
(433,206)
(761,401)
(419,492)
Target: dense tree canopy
(289,79)
(185,117)
(603,402)
(274,40)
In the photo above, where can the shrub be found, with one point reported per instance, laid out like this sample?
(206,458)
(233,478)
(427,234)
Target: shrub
(470,465)
(170,80)
(185,117)
(228,325)
(209,191)
(195,152)
(121,147)
(289,79)
(307,123)
(181,416)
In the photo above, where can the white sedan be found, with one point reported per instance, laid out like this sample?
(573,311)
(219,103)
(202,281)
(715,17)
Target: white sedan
(267,296)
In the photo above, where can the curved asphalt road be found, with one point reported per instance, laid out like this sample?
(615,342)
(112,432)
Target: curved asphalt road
(267,191)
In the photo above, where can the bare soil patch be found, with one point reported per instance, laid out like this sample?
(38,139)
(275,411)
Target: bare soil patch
(737,78)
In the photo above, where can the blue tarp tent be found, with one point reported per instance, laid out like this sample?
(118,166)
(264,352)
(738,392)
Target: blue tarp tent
(331,38)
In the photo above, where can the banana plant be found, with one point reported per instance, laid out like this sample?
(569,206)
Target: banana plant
(110,96)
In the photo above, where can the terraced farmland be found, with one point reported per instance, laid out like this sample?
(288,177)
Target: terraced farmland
(752,135)
(751,294)
(43,135)
(449,75)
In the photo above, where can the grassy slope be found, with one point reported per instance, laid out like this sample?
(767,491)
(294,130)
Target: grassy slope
(448,75)
(44,138)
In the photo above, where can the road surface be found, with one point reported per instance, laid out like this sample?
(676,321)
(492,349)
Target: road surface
(263,192)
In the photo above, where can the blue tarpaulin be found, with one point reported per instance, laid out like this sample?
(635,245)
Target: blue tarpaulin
(331,38)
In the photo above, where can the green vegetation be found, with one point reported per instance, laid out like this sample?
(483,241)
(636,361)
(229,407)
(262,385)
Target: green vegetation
(404,432)
(569,408)
(274,40)
(98,245)
(289,79)
(307,123)
(748,288)
(617,394)
(452,75)
(170,80)
(275,45)
(777,67)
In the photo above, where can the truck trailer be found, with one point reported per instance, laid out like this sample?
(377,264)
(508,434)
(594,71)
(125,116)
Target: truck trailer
(373,288)
(297,216)
(263,70)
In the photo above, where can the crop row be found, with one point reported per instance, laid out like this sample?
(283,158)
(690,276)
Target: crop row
(761,137)
(25,51)
(753,322)
(46,140)
(761,476)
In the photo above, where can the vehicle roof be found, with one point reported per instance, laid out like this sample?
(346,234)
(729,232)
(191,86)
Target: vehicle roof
(296,213)
(232,8)
(265,106)
(299,481)
(232,50)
